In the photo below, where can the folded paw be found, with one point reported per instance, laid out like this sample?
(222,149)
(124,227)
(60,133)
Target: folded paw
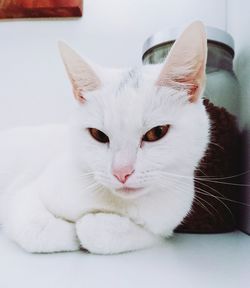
(45,235)
(103,233)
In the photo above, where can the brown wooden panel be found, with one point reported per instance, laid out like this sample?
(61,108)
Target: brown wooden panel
(40,8)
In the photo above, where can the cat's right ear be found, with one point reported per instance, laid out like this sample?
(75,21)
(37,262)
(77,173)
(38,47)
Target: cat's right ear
(82,76)
(185,65)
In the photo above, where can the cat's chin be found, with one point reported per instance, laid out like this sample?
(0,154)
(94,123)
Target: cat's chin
(129,192)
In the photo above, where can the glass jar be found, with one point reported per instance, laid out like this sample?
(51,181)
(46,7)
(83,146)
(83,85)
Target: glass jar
(222,87)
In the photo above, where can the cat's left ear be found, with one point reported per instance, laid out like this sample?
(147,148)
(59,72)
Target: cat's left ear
(82,76)
(185,65)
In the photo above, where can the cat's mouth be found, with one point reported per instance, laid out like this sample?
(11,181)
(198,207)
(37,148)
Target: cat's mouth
(126,189)
(129,191)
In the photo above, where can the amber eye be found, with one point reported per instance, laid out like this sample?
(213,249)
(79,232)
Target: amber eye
(98,135)
(156,133)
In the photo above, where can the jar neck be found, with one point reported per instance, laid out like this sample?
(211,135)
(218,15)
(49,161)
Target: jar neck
(218,57)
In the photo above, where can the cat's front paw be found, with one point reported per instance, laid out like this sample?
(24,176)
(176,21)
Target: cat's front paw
(44,235)
(103,233)
(99,233)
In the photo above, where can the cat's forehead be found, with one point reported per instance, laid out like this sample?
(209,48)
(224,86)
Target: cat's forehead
(129,78)
(129,100)
(125,106)
(138,77)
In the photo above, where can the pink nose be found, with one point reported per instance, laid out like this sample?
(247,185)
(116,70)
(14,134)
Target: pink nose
(122,173)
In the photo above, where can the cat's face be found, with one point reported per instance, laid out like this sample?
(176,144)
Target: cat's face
(135,128)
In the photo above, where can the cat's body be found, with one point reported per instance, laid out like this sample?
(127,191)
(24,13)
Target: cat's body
(63,187)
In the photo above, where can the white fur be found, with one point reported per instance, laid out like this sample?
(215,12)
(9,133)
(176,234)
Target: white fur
(72,179)
(57,191)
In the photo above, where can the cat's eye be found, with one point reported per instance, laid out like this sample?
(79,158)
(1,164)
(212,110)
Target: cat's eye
(156,133)
(98,135)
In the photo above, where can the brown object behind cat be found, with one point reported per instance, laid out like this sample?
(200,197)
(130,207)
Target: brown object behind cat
(215,178)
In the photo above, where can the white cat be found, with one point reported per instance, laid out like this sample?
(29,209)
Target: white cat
(106,182)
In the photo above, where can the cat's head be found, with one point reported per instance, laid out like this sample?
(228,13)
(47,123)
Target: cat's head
(134,128)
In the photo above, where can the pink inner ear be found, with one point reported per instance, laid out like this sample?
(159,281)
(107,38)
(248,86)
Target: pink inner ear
(193,93)
(81,74)
(78,94)
(182,84)
(192,82)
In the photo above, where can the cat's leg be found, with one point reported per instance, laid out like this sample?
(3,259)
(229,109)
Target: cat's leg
(34,228)
(103,233)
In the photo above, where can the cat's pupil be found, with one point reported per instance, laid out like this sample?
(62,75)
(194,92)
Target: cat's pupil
(158,131)
(98,135)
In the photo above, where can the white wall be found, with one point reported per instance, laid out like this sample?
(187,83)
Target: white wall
(33,84)
(238,26)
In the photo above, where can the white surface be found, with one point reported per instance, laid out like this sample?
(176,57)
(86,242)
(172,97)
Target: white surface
(34,86)
(195,261)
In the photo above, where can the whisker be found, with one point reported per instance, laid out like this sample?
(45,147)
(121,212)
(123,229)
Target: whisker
(91,186)
(210,205)
(180,188)
(204,192)
(227,199)
(213,189)
(227,177)
(207,179)
(224,183)
(195,196)
(217,145)
(198,200)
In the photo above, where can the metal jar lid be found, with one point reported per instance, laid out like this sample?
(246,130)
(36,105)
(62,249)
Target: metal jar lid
(215,35)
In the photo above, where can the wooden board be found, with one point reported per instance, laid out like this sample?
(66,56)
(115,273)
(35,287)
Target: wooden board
(40,8)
